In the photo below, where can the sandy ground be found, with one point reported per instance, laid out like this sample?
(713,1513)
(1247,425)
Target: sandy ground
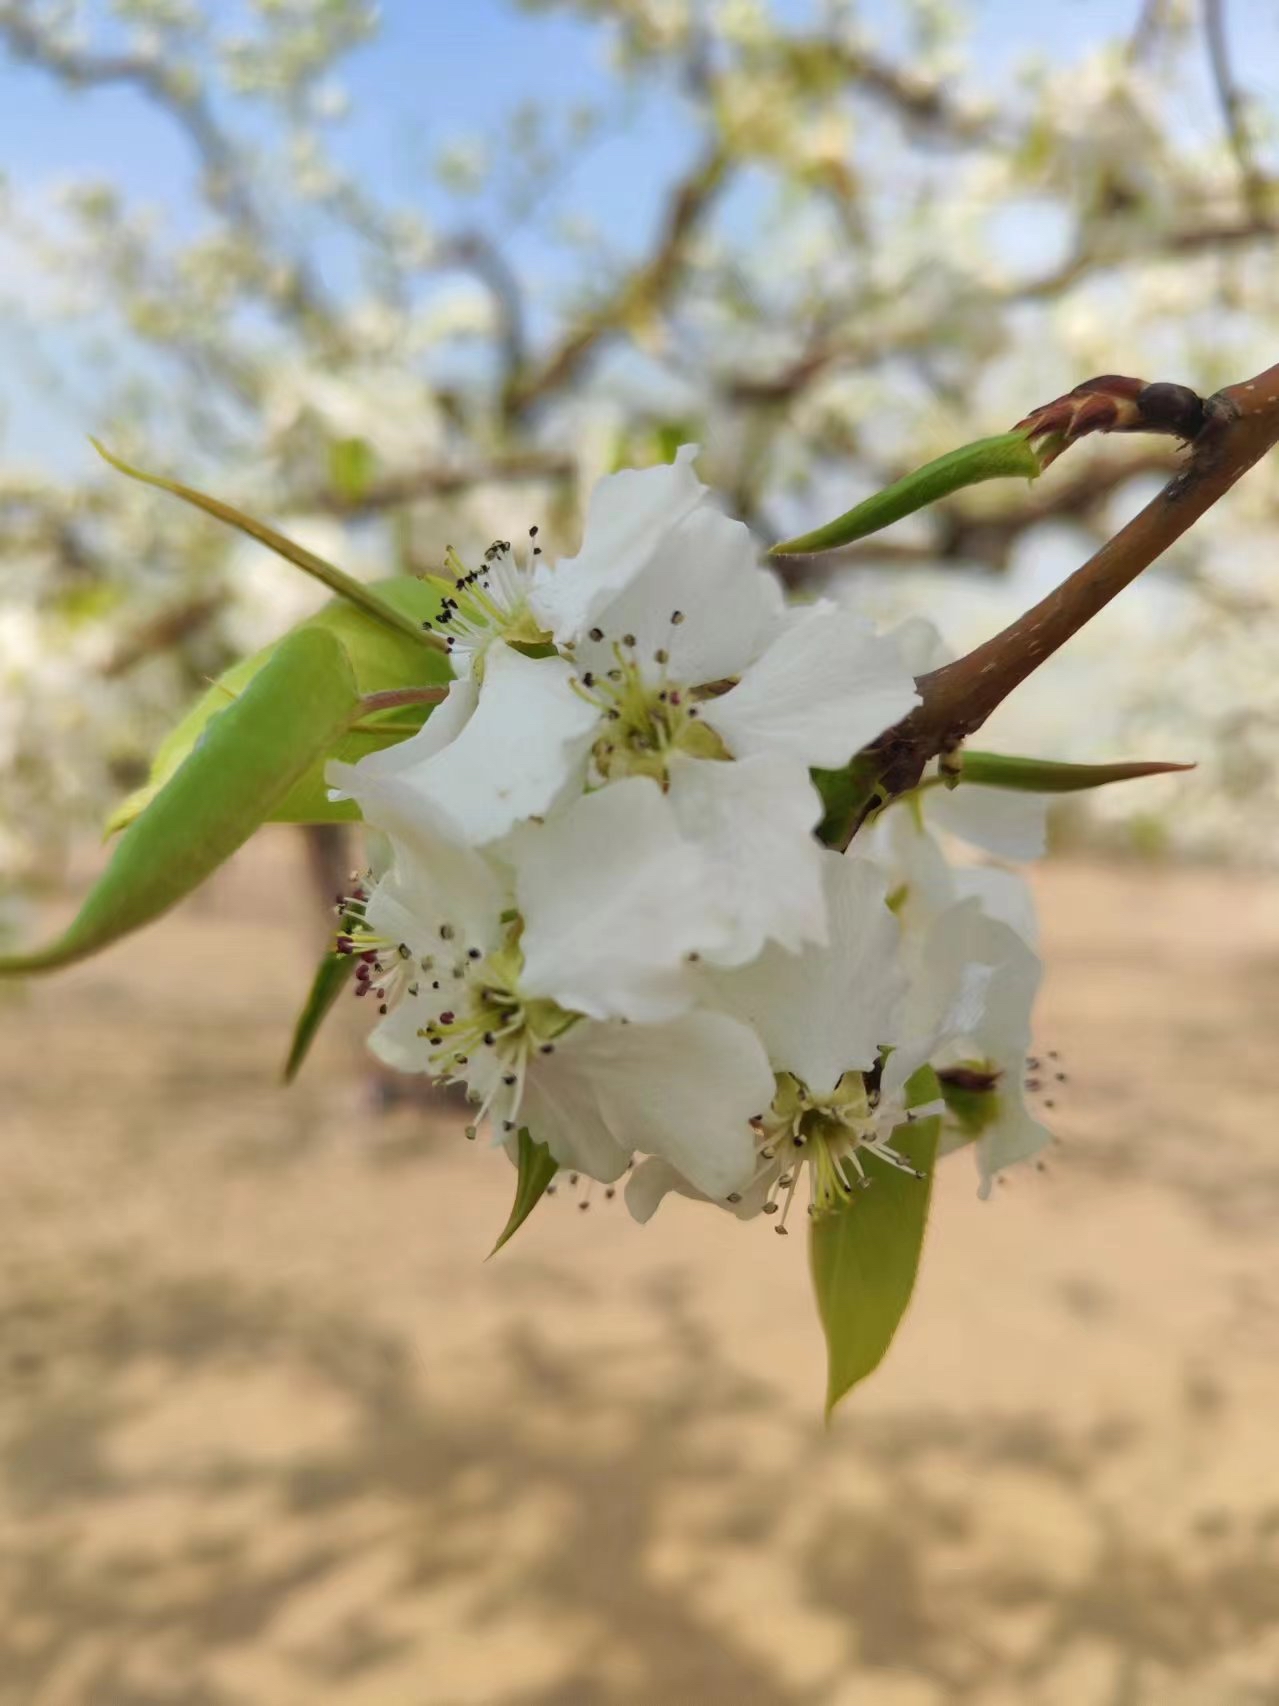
(272,1433)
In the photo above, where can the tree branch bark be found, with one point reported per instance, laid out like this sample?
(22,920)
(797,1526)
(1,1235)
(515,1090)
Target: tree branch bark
(1241,426)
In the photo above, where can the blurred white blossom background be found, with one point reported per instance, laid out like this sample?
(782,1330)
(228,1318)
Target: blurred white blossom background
(399,276)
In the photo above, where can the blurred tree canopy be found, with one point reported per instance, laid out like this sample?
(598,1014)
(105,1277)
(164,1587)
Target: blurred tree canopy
(862,259)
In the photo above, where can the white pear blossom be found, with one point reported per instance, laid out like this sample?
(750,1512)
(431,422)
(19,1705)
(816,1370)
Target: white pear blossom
(968,1014)
(825,1016)
(675,658)
(560,1001)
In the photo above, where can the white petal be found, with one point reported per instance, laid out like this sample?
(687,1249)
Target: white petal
(825,687)
(971,993)
(1004,895)
(561,1109)
(752,820)
(826,1011)
(627,520)
(441,885)
(921,882)
(1015,1136)
(921,647)
(1003,821)
(652,1180)
(706,571)
(525,744)
(395,1039)
(441,728)
(684,1091)
(613,900)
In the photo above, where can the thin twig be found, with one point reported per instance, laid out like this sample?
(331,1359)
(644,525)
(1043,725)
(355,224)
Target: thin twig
(1233,110)
(1242,425)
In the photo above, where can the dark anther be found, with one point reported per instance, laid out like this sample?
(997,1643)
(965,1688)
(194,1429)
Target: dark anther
(597,634)
(677,616)
(446,932)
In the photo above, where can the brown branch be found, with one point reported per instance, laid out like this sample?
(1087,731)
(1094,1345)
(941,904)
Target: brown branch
(645,289)
(1233,113)
(1242,425)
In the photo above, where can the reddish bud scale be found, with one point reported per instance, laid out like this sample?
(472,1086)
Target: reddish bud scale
(1113,403)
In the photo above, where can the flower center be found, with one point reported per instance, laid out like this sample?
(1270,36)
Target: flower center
(827,1134)
(479,1028)
(488,603)
(648,716)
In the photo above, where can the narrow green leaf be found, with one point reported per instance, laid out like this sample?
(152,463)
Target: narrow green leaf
(536,1170)
(1047,776)
(331,977)
(864,1255)
(380,658)
(247,760)
(359,593)
(1006,455)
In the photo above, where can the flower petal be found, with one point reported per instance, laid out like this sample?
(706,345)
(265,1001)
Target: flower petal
(1004,895)
(441,728)
(627,520)
(1016,1135)
(971,993)
(825,687)
(561,1108)
(652,1180)
(614,900)
(1002,821)
(685,1091)
(826,1011)
(752,820)
(525,743)
(707,573)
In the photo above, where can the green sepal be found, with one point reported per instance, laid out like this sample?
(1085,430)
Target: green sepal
(864,1255)
(380,658)
(845,794)
(248,759)
(357,592)
(537,1167)
(1047,776)
(1009,454)
(331,977)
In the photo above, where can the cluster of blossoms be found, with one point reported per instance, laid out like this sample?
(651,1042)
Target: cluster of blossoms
(602,906)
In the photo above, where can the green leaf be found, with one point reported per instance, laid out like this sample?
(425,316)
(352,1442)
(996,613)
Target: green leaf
(359,593)
(536,1170)
(864,1255)
(1008,454)
(331,977)
(1046,776)
(380,658)
(247,760)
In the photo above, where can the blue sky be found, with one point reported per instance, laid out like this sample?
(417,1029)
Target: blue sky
(441,69)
